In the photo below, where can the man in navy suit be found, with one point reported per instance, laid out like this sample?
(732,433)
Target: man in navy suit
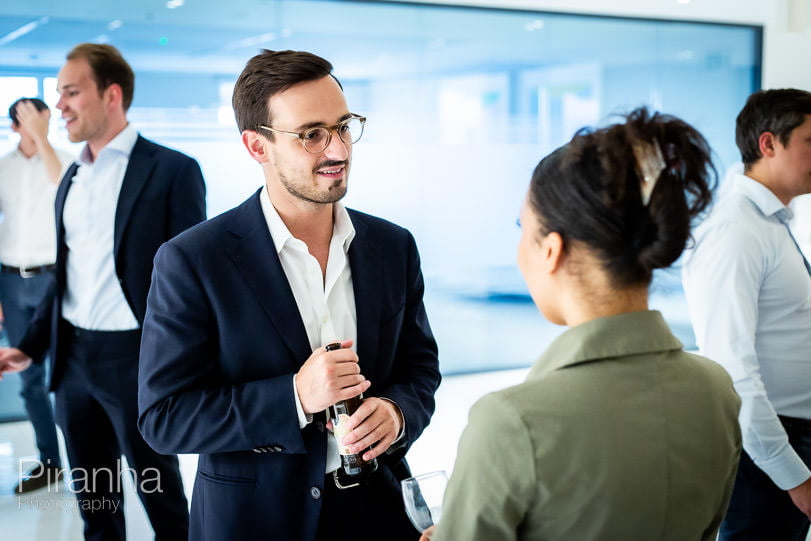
(233,364)
(123,198)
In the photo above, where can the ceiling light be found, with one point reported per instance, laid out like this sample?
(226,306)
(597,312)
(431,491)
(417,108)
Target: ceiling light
(172,4)
(114,25)
(537,24)
(249,41)
(23,30)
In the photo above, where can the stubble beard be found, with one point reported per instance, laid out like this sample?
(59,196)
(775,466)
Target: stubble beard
(333,194)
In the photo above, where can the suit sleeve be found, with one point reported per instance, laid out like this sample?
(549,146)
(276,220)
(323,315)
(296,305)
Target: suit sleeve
(37,339)
(416,364)
(188,198)
(186,404)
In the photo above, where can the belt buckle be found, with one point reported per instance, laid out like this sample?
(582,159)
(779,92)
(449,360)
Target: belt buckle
(338,483)
(24,273)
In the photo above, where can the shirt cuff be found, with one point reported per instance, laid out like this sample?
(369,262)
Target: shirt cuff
(303,418)
(402,420)
(787,469)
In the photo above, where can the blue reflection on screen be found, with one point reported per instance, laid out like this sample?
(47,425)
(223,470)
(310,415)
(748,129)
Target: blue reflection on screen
(461,103)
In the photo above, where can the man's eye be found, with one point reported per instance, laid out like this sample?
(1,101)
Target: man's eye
(314,135)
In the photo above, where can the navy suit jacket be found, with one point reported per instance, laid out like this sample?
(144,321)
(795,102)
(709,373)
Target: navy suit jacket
(221,342)
(162,194)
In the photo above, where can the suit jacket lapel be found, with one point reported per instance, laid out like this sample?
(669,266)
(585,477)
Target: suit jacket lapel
(366,266)
(59,203)
(139,169)
(59,207)
(254,254)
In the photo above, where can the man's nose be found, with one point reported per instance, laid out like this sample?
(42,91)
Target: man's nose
(336,148)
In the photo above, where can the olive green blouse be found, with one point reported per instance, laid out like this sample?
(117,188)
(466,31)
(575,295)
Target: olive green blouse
(616,434)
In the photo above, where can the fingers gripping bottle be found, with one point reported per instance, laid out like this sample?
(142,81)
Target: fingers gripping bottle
(352,465)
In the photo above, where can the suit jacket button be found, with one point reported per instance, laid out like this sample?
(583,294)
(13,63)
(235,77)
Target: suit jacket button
(320,426)
(315,492)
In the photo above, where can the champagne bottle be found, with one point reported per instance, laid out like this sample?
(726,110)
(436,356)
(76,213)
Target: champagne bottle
(353,465)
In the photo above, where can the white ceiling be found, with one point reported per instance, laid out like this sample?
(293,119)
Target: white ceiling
(215,36)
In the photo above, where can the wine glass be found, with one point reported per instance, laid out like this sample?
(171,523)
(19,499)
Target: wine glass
(422,495)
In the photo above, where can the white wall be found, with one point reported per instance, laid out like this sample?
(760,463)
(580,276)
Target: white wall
(787,25)
(786,43)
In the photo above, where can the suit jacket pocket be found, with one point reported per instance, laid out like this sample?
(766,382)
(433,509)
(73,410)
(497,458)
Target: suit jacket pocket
(226,479)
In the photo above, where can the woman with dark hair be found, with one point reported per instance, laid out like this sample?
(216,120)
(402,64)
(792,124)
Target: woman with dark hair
(617,433)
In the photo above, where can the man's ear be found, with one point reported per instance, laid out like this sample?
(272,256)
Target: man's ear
(114,96)
(767,144)
(256,144)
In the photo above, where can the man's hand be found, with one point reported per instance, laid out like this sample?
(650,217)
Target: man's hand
(801,496)
(376,423)
(329,376)
(13,360)
(33,121)
(35,124)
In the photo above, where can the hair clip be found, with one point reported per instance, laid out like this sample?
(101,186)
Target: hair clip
(649,166)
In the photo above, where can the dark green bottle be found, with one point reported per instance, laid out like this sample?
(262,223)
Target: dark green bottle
(353,465)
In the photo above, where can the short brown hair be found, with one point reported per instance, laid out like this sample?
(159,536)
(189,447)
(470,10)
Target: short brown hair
(267,74)
(108,67)
(777,111)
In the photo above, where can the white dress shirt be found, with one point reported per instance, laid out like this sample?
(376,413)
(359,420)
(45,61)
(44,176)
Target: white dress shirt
(27,232)
(93,297)
(749,297)
(326,304)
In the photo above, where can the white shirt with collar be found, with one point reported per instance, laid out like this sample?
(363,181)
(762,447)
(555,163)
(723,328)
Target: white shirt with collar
(326,305)
(749,296)
(93,297)
(27,231)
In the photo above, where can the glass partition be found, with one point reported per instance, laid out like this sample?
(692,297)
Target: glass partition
(461,104)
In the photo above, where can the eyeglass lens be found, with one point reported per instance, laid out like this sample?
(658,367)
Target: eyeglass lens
(317,139)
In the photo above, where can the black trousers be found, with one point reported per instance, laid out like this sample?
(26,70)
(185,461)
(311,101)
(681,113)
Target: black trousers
(97,409)
(759,510)
(370,512)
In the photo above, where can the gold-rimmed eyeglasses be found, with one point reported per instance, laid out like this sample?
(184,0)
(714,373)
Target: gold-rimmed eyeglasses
(315,140)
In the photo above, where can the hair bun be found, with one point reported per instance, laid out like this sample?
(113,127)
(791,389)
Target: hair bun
(629,191)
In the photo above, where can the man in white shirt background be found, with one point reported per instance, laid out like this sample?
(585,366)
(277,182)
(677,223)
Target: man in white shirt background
(29,176)
(748,289)
(115,206)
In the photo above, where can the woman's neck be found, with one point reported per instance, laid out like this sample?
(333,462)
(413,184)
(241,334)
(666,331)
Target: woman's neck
(585,305)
